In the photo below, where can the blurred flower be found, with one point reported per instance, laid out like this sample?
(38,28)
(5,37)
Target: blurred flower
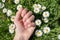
(11,31)
(3,0)
(38,22)
(46,14)
(16,1)
(38,33)
(1,5)
(43,7)
(36,10)
(12,18)
(46,20)
(11,28)
(46,30)
(19,6)
(36,6)
(58,36)
(4,10)
(9,12)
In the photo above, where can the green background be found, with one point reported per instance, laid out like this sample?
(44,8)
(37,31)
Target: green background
(53,6)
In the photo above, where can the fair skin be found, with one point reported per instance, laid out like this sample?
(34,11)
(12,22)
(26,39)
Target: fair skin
(24,24)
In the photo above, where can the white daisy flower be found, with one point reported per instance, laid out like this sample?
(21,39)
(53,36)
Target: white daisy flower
(38,22)
(46,20)
(3,0)
(36,6)
(46,14)
(43,7)
(16,1)
(36,10)
(46,30)
(19,6)
(12,18)
(9,12)
(11,31)
(58,36)
(12,26)
(4,10)
(38,33)
(1,5)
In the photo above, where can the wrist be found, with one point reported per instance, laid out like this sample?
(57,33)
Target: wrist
(19,37)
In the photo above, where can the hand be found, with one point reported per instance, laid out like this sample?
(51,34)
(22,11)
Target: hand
(24,24)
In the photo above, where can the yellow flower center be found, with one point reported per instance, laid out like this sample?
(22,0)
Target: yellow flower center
(46,30)
(46,14)
(38,32)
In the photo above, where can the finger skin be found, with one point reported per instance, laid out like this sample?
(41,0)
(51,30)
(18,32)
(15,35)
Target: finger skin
(29,31)
(27,16)
(18,14)
(24,12)
(30,19)
(30,25)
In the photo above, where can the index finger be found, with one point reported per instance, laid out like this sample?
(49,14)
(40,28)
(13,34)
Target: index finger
(18,14)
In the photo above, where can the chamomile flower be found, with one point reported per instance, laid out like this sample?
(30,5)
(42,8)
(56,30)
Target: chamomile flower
(36,10)
(38,22)
(38,33)
(46,30)
(16,1)
(58,36)
(12,26)
(9,12)
(12,18)
(1,5)
(3,1)
(11,31)
(46,14)
(4,10)
(36,6)
(43,8)
(19,6)
(46,20)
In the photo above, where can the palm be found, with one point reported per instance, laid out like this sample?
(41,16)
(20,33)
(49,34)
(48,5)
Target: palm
(22,26)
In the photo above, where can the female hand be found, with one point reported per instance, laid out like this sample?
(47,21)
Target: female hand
(24,24)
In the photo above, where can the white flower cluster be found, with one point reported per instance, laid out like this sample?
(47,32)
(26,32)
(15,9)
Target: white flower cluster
(38,8)
(39,33)
(46,14)
(38,22)
(7,11)
(19,5)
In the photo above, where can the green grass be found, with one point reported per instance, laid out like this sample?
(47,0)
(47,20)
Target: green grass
(53,6)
